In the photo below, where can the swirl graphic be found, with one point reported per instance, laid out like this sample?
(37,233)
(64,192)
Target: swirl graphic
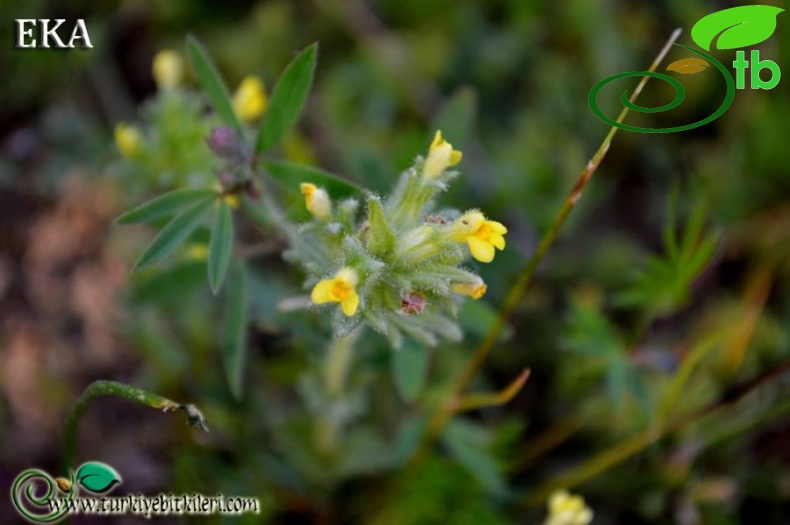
(680,94)
(31,506)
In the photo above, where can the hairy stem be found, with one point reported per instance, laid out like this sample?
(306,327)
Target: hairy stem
(112,388)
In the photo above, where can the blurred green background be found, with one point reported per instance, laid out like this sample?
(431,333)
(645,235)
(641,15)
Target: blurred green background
(657,329)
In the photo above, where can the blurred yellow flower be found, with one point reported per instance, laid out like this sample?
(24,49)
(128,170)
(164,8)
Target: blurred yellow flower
(441,156)
(128,139)
(480,234)
(568,509)
(473,290)
(317,201)
(249,101)
(232,201)
(339,289)
(198,252)
(167,69)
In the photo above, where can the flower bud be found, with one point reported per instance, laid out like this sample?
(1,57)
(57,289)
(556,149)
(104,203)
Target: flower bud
(249,101)
(225,142)
(440,157)
(317,201)
(475,290)
(128,139)
(167,69)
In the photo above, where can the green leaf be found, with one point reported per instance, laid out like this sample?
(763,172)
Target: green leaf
(291,175)
(97,477)
(221,245)
(213,86)
(234,344)
(287,100)
(410,369)
(739,26)
(174,233)
(381,239)
(164,205)
(464,445)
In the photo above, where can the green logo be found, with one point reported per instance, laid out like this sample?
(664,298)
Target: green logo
(735,28)
(34,491)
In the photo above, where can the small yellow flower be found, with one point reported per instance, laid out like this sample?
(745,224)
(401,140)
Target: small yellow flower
(441,156)
(249,101)
(480,234)
(474,290)
(128,139)
(568,509)
(339,289)
(317,201)
(167,69)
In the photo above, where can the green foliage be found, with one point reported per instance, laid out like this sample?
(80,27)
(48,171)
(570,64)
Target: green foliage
(175,232)
(164,206)
(235,329)
(410,370)
(289,96)
(221,245)
(213,86)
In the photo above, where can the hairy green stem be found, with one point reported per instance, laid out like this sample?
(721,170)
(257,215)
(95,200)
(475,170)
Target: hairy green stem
(442,416)
(112,388)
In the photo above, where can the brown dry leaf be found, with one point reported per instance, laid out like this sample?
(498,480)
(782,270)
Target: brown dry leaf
(688,66)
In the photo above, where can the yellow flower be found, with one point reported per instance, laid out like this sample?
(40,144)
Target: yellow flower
(249,101)
(317,201)
(167,69)
(232,201)
(474,290)
(198,252)
(480,234)
(128,139)
(339,289)
(440,157)
(568,509)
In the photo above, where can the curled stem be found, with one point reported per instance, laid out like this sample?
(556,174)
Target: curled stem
(442,416)
(113,388)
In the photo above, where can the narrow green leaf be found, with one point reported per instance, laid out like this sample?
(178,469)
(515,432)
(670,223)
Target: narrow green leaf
(234,344)
(287,100)
(410,369)
(291,175)
(220,246)
(741,26)
(213,86)
(174,233)
(164,205)
(97,477)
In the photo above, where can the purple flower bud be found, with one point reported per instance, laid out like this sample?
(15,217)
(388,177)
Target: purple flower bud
(225,142)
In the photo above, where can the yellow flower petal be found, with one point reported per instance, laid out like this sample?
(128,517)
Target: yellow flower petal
(128,139)
(498,227)
(349,304)
(441,156)
(322,292)
(497,241)
(481,250)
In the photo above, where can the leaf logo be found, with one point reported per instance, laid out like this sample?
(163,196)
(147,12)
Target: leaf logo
(688,66)
(736,27)
(97,477)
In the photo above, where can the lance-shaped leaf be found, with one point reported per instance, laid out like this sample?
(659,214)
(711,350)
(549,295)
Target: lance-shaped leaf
(410,369)
(381,239)
(291,175)
(739,27)
(220,246)
(164,205)
(97,477)
(174,233)
(213,86)
(234,343)
(287,100)
(466,444)
(688,66)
